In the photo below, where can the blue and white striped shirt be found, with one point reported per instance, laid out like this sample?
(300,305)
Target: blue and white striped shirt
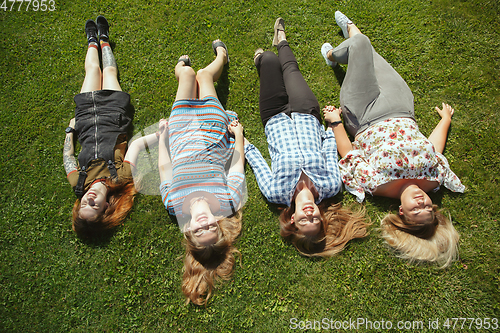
(297,144)
(200,146)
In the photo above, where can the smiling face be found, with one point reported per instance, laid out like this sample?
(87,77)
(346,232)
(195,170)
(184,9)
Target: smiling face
(93,203)
(203,224)
(416,205)
(307,216)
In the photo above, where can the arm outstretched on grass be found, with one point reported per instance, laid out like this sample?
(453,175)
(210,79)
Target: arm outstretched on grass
(440,133)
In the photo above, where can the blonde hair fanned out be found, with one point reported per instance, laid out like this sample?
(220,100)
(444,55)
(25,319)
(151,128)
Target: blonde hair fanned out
(338,226)
(206,265)
(440,247)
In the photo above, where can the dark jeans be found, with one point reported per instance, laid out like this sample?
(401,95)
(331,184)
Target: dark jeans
(282,86)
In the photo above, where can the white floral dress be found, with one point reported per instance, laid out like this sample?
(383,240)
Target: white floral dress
(390,150)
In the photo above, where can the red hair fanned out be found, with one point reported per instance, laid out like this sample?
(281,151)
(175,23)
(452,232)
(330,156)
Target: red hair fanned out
(120,197)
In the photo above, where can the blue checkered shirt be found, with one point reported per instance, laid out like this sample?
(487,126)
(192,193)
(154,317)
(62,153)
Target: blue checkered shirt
(297,144)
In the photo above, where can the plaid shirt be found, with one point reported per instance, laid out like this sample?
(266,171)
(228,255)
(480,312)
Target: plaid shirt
(297,144)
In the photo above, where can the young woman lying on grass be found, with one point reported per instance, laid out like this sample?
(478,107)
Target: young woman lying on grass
(304,158)
(101,178)
(202,136)
(390,157)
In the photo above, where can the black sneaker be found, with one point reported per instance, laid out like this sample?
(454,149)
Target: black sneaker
(102,28)
(91,31)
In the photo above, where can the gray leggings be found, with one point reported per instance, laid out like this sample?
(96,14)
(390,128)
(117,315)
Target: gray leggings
(372,90)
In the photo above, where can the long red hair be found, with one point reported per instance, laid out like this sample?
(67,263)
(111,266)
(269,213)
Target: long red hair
(120,198)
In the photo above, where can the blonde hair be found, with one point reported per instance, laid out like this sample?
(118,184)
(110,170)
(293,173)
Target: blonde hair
(338,226)
(439,246)
(206,265)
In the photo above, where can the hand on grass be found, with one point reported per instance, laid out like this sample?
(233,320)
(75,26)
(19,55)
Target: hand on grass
(446,111)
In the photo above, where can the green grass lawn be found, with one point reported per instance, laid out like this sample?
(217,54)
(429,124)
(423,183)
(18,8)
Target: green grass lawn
(51,281)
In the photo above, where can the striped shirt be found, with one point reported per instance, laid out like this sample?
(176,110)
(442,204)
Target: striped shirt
(200,146)
(296,144)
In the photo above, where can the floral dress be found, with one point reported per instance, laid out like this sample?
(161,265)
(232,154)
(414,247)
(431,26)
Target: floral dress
(390,150)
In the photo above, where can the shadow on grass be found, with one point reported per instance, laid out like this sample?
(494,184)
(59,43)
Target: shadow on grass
(339,71)
(130,132)
(100,241)
(383,204)
(339,74)
(222,87)
(275,209)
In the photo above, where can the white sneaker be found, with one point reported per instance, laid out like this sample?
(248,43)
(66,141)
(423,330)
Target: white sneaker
(324,51)
(342,22)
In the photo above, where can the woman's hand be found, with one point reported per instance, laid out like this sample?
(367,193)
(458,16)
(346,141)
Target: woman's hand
(235,128)
(72,123)
(238,158)
(163,126)
(331,113)
(446,112)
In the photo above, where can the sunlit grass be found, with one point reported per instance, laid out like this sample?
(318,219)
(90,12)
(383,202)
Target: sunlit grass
(50,281)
